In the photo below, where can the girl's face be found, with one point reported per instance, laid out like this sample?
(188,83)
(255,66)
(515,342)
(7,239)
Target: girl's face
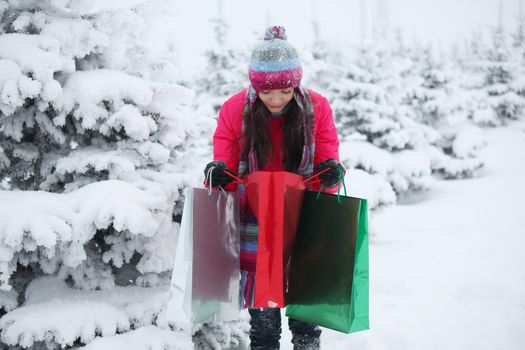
(276,100)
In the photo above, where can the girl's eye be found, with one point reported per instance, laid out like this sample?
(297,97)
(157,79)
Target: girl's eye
(286,92)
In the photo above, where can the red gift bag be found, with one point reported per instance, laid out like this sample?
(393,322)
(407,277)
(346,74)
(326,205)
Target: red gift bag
(275,199)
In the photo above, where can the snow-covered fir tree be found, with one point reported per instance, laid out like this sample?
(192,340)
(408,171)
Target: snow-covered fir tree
(97,140)
(435,100)
(320,60)
(473,76)
(393,110)
(439,101)
(518,53)
(365,109)
(502,73)
(93,158)
(500,93)
(225,72)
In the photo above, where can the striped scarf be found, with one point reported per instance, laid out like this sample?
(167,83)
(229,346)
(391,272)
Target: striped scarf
(248,164)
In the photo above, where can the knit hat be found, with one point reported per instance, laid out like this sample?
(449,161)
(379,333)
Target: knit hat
(274,63)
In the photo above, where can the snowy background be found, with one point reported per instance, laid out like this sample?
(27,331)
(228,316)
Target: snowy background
(106,114)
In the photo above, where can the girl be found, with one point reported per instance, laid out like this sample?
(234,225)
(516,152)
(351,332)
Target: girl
(273,125)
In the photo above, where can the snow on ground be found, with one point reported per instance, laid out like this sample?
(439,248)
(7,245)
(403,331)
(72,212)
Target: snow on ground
(149,337)
(448,271)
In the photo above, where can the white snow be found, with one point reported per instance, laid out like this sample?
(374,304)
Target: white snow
(101,5)
(59,224)
(8,300)
(36,54)
(129,118)
(447,272)
(468,141)
(65,320)
(57,313)
(14,86)
(483,116)
(76,75)
(83,91)
(402,171)
(145,338)
(411,171)
(366,156)
(77,37)
(8,71)
(374,188)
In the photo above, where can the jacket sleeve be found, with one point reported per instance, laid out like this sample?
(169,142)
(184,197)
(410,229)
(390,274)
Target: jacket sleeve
(326,138)
(226,138)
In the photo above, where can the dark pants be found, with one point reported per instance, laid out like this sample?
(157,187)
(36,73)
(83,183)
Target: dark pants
(265,331)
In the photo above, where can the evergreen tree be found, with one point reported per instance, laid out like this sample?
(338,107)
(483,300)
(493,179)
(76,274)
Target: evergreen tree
(93,151)
(321,60)
(499,94)
(518,53)
(439,101)
(501,74)
(518,37)
(397,100)
(226,71)
(365,107)
(433,100)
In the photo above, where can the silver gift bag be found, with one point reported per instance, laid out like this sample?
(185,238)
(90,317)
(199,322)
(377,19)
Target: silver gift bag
(206,278)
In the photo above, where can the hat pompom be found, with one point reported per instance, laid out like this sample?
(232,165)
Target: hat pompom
(275,32)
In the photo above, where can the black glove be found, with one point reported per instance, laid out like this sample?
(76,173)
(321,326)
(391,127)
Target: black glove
(217,177)
(330,177)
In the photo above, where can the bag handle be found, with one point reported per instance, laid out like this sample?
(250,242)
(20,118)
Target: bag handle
(316,175)
(239,180)
(209,184)
(341,182)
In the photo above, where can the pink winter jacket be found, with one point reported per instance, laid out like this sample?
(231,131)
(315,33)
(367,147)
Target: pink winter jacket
(227,139)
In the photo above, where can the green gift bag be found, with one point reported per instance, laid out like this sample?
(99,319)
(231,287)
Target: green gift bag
(328,276)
